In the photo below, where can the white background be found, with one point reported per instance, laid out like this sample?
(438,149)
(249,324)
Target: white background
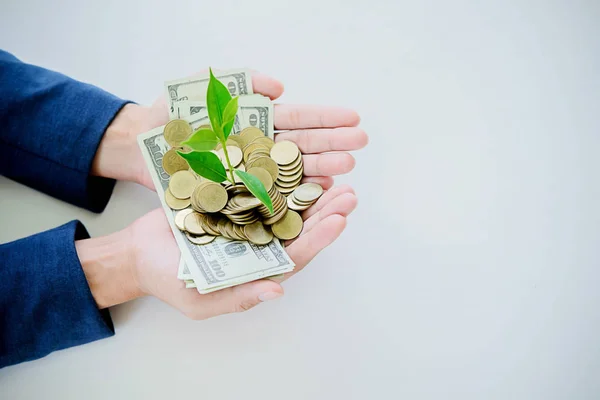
(470,269)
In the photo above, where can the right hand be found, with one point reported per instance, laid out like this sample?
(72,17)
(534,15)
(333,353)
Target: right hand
(155,258)
(323,134)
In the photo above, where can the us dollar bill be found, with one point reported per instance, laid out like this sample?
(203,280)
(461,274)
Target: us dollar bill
(193,88)
(222,263)
(254,110)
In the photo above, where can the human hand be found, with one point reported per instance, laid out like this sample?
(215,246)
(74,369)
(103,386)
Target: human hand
(317,130)
(143,260)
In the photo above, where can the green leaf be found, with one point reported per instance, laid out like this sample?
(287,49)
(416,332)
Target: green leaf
(206,164)
(217,98)
(229,116)
(256,187)
(202,140)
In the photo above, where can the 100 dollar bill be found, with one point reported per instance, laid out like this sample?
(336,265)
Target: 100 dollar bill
(254,110)
(193,88)
(222,263)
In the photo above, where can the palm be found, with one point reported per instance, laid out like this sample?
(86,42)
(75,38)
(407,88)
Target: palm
(158,257)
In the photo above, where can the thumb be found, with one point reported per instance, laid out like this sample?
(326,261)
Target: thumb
(241,298)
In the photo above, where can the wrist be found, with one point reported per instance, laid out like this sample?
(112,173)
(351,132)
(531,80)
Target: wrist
(108,263)
(118,147)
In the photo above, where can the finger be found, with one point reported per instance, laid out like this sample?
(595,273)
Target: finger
(328,164)
(301,117)
(343,205)
(236,299)
(324,140)
(306,247)
(266,85)
(326,182)
(326,198)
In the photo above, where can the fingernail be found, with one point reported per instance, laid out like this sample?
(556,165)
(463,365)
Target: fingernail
(269,296)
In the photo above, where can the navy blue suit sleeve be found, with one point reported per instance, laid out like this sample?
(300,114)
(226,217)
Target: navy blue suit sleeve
(45,300)
(50,129)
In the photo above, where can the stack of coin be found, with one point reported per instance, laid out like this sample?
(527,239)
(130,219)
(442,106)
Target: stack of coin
(204,228)
(230,210)
(192,224)
(181,187)
(279,207)
(240,209)
(304,196)
(289,161)
(207,196)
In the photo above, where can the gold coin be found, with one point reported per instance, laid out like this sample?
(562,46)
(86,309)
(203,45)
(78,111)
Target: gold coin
(237,188)
(292,205)
(177,131)
(221,227)
(228,230)
(209,224)
(243,142)
(254,157)
(236,139)
(195,199)
(284,152)
(235,155)
(251,133)
(257,151)
(308,192)
(277,216)
(286,191)
(292,168)
(229,142)
(173,162)
(289,178)
(251,148)
(252,218)
(257,233)
(180,217)
(239,230)
(248,221)
(243,215)
(263,175)
(174,203)
(266,141)
(182,184)
(234,232)
(212,197)
(193,224)
(245,201)
(266,163)
(286,185)
(278,205)
(289,226)
(200,240)
(299,202)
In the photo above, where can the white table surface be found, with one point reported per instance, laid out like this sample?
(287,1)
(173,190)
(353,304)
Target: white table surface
(470,269)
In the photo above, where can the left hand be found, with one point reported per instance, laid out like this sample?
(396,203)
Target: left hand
(317,130)
(143,260)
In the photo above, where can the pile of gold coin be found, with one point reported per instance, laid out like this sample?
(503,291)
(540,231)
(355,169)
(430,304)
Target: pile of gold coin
(230,210)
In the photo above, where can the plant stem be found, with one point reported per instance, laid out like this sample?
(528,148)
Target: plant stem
(232,180)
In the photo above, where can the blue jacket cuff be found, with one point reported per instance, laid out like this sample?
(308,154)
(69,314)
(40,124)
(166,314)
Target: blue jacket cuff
(51,126)
(45,301)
